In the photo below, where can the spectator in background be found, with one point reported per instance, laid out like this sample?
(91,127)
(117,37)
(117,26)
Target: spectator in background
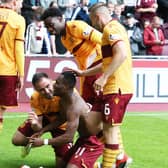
(57,47)
(102,1)
(146,10)
(37,37)
(110,6)
(53,4)
(129,7)
(164,27)
(121,1)
(67,7)
(29,6)
(81,12)
(146,23)
(91,2)
(134,33)
(162,10)
(113,2)
(153,37)
(45,3)
(118,14)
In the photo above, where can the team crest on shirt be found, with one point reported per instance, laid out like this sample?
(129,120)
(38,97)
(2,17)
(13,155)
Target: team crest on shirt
(116,100)
(114,37)
(73,26)
(71,39)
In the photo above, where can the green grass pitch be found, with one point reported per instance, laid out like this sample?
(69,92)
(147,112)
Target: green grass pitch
(145,139)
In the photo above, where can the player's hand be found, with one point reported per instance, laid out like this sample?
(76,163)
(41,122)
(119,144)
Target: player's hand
(99,84)
(33,118)
(19,84)
(37,134)
(157,42)
(36,142)
(77,72)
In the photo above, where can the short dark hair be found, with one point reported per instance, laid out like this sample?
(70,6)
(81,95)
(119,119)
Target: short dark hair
(70,78)
(37,77)
(51,12)
(37,14)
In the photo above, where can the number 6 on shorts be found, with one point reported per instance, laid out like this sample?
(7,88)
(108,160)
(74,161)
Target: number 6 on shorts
(106,109)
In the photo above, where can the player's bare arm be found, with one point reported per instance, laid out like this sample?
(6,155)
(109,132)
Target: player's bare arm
(88,72)
(47,128)
(72,125)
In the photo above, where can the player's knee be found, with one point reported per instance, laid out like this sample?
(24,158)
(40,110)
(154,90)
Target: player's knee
(19,140)
(15,141)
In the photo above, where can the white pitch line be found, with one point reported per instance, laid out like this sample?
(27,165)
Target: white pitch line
(15,116)
(146,114)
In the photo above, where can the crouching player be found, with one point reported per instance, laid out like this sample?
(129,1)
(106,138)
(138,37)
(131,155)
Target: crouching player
(45,110)
(79,117)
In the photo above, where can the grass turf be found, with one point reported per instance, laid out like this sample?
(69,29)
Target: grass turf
(144,134)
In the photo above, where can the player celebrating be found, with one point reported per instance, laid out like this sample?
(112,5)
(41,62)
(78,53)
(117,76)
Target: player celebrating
(76,112)
(45,110)
(12,28)
(116,80)
(82,40)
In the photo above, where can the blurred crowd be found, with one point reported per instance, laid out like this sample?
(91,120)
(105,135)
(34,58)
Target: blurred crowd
(146,22)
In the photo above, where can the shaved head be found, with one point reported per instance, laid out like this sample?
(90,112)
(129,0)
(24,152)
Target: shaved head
(99,15)
(98,8)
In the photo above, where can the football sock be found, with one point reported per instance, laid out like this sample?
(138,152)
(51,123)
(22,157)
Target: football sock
(109,155)
(121,146)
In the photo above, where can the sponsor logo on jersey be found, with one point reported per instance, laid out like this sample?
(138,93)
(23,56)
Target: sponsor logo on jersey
(114,37)
(87,31)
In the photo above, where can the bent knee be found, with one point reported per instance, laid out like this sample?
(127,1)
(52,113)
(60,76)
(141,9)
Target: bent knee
(19,139)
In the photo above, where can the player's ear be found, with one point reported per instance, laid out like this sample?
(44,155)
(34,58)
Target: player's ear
(60,18)
(97,16)
(66,87)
